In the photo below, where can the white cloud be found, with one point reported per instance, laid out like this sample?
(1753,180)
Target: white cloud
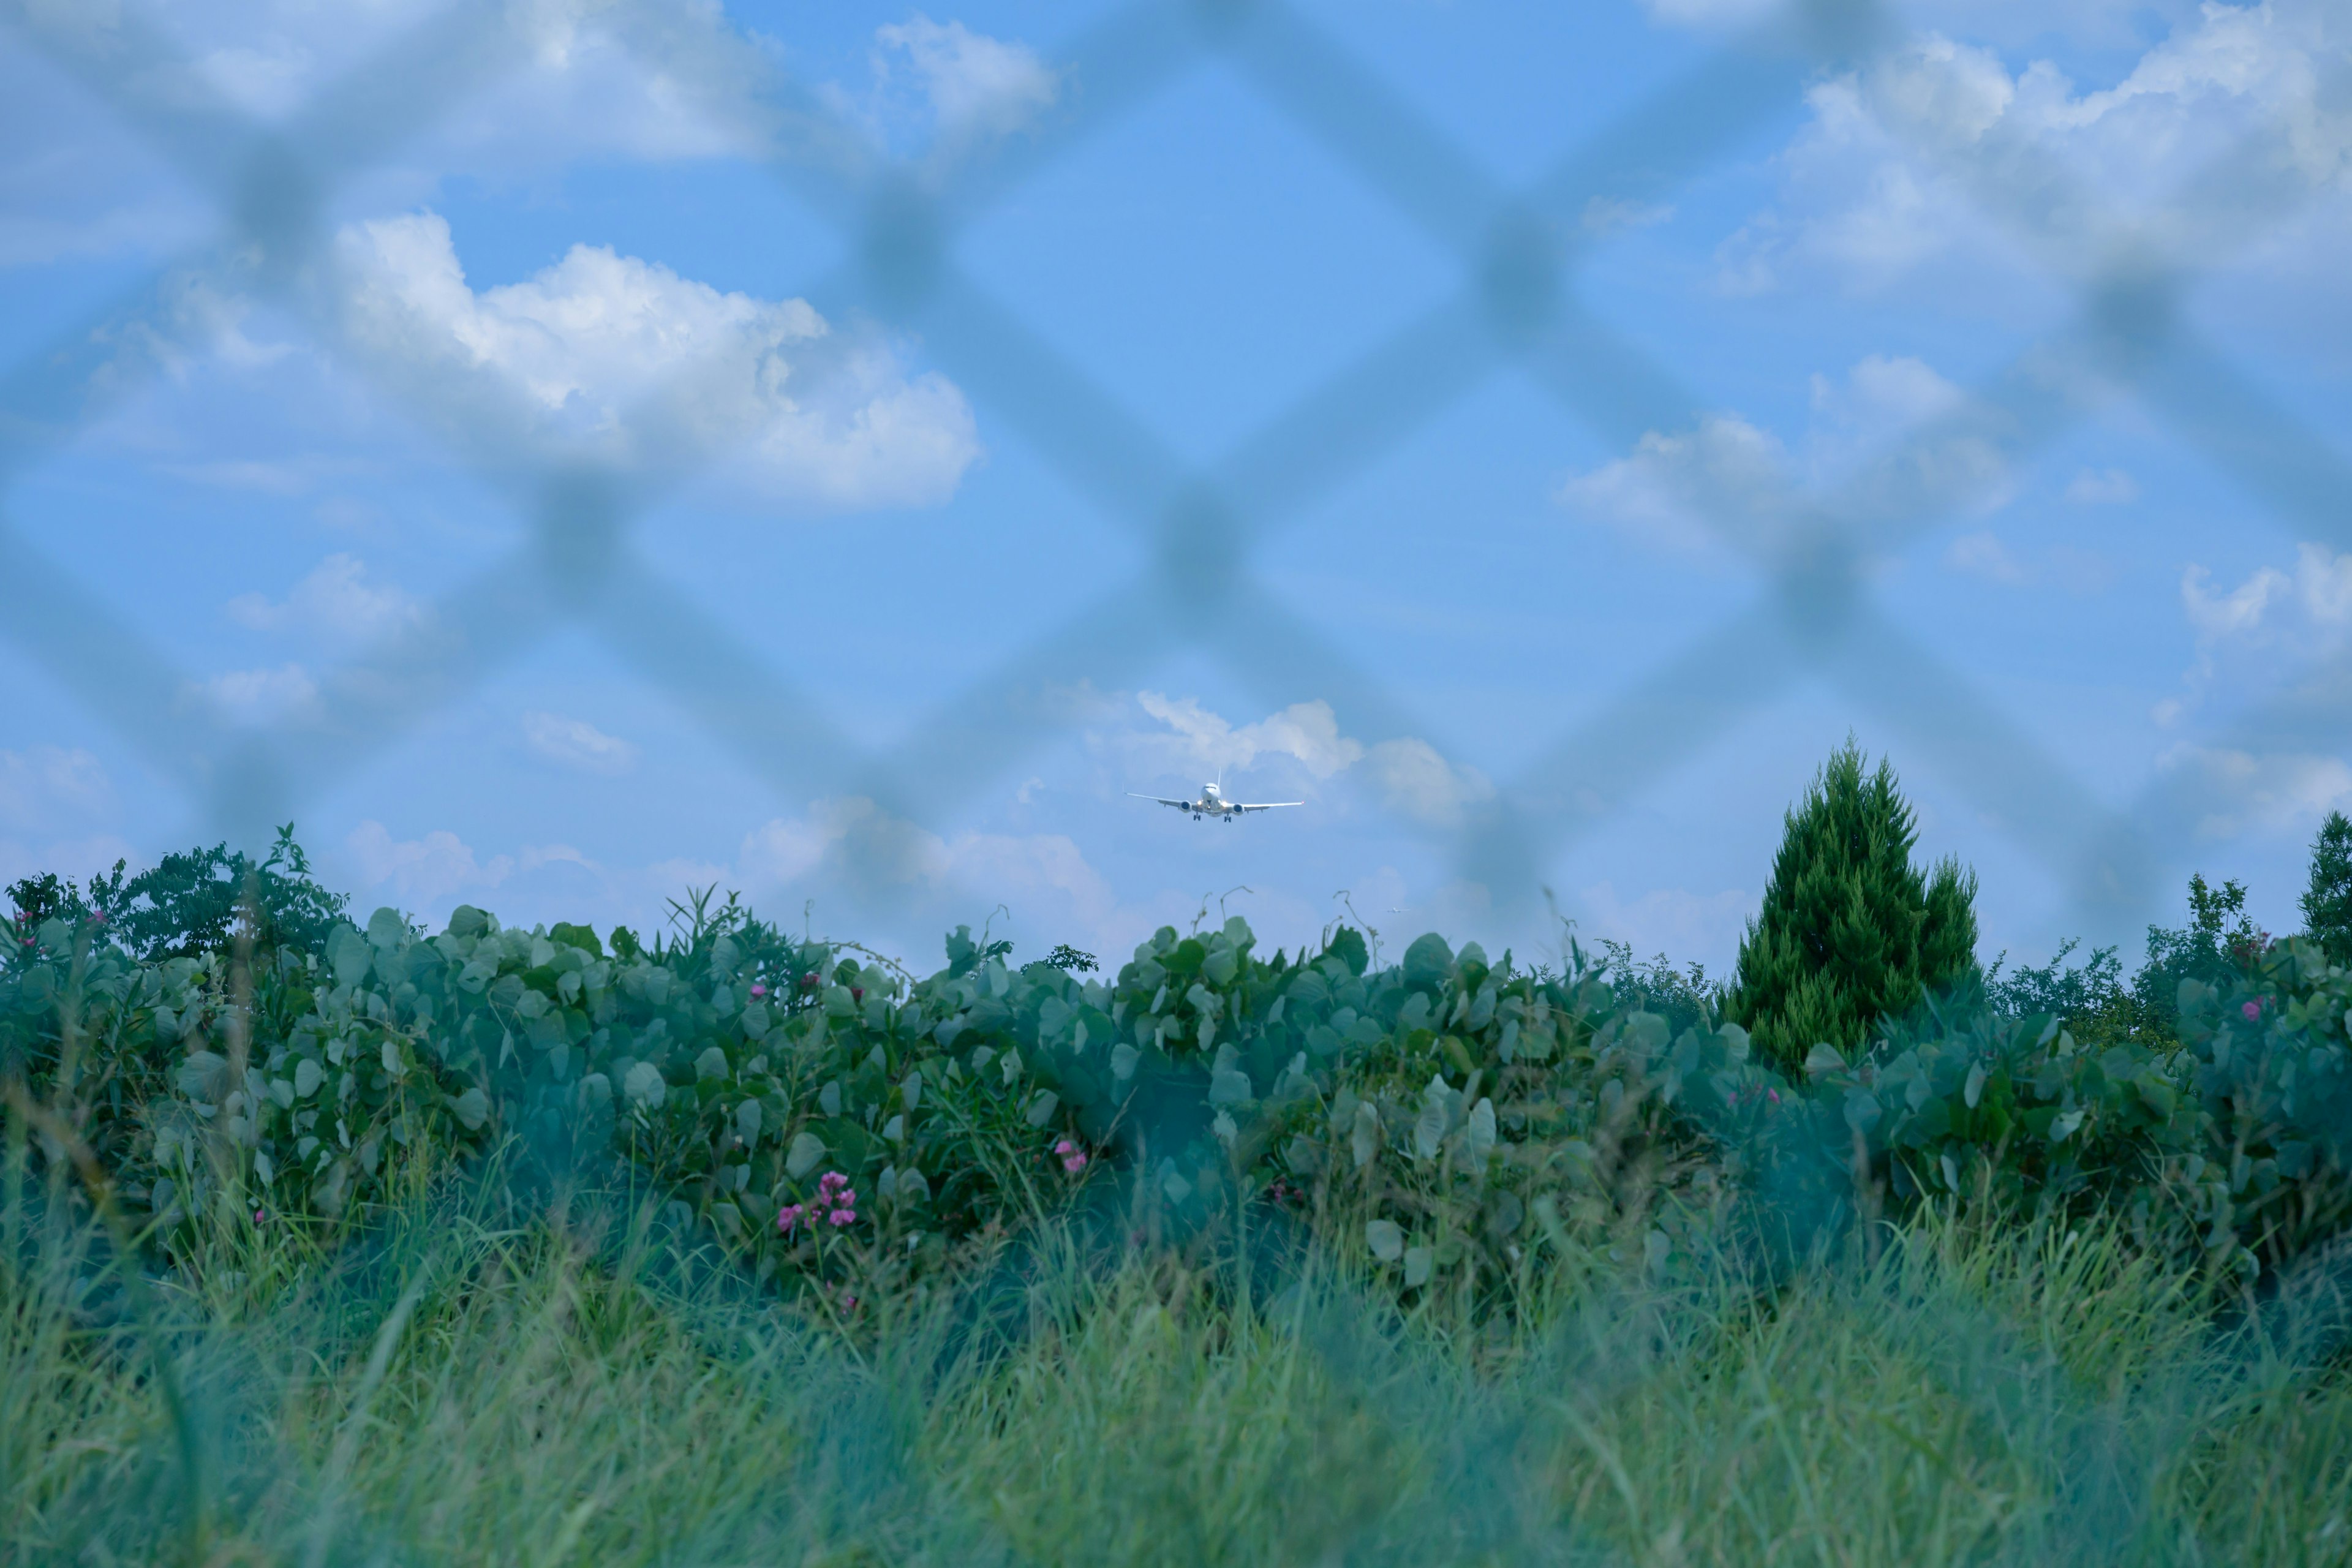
(42,787)
(1713,14)
(1615,215)
(263,696)
(1689,492)
(2102,486)
(1890,437)
(853,845)
(2232,792)
(1416,781)
(1903,161)
(976,85)
(1682,925)
(1407,774)
(422,871)
(626,360)
(2311,608)
(1983,554)
(576,743)
(1204,743)
(335,603)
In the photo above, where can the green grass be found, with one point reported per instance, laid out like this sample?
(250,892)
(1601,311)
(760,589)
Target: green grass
(460,1386)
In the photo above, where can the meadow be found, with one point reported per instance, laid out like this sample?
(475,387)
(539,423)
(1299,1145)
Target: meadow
(333,1241)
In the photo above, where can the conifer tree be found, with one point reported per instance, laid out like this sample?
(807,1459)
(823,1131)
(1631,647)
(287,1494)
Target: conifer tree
(1850,932)
(2327,903)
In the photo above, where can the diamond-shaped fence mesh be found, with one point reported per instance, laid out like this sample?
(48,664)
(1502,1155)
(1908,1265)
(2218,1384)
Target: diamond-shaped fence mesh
(1519,255)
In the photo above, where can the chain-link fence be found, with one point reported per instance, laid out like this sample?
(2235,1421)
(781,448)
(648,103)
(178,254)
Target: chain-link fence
(1519,253)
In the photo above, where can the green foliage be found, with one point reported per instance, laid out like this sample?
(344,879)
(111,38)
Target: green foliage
(833,1119)
(1850,933)
(204,903)
(2328,902)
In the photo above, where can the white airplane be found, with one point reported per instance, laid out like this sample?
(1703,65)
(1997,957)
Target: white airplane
(1214,804)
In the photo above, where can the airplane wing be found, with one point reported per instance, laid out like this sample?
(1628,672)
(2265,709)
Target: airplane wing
(1266,806)
(1179,804)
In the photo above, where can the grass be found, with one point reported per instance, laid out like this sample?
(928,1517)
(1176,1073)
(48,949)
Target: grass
(461,1384)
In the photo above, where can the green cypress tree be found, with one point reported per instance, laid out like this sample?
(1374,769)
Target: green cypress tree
(1850,932)
(2327,903)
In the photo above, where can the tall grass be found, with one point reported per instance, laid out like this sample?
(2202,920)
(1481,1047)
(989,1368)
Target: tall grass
(465,1384)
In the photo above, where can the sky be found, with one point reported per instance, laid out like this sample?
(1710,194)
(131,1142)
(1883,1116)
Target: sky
(562,452)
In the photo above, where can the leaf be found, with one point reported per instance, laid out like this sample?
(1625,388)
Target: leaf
(1974,1091)
(1365,1140)
(2064,1126)
(1419,1262)
(307,1075)
(1824,1059)
(747,1121)
(1386,1240)
(350,954)
(1428,962)
(1041,1109)
(710,1064)
(473,1108)
(644,1086)
(199,1076)
(1123,1057)
(1429,1131)
(805,1154)
(1228,1086)
(1482,1133)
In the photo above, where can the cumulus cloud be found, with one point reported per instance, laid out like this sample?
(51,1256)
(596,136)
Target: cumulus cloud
(1413,778)
(975,85)
(337,601)
(1689,492)
(1889,437)
(852,847)
(423,872)
(262,696)
(1983,554)
(2310,608)
(44,786)
(1707,926)
(2230,791)
(2102,486)
(576,743)
(624,358)
(1901,159)
(1199,742)
(1408,774)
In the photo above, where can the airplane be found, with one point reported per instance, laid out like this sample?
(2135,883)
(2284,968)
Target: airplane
(1214,804)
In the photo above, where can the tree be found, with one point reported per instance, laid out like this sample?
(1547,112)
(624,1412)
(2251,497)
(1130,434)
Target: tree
(2327,903)
(1850,932)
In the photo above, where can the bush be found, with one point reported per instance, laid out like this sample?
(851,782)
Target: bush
(834,1120)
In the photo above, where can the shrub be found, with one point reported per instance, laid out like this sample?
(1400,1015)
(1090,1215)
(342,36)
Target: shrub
(835,1120)
(1849,931)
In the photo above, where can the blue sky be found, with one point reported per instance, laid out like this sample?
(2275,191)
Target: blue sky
(537,453)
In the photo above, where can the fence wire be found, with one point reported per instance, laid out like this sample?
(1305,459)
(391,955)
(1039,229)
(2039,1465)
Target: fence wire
(1519,253)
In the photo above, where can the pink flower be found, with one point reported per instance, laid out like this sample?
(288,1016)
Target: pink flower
(843,1216)
(757,990)
(2253,1010)
(788,1218)
(258,1217)
(1774,1095)
(1075,1164)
